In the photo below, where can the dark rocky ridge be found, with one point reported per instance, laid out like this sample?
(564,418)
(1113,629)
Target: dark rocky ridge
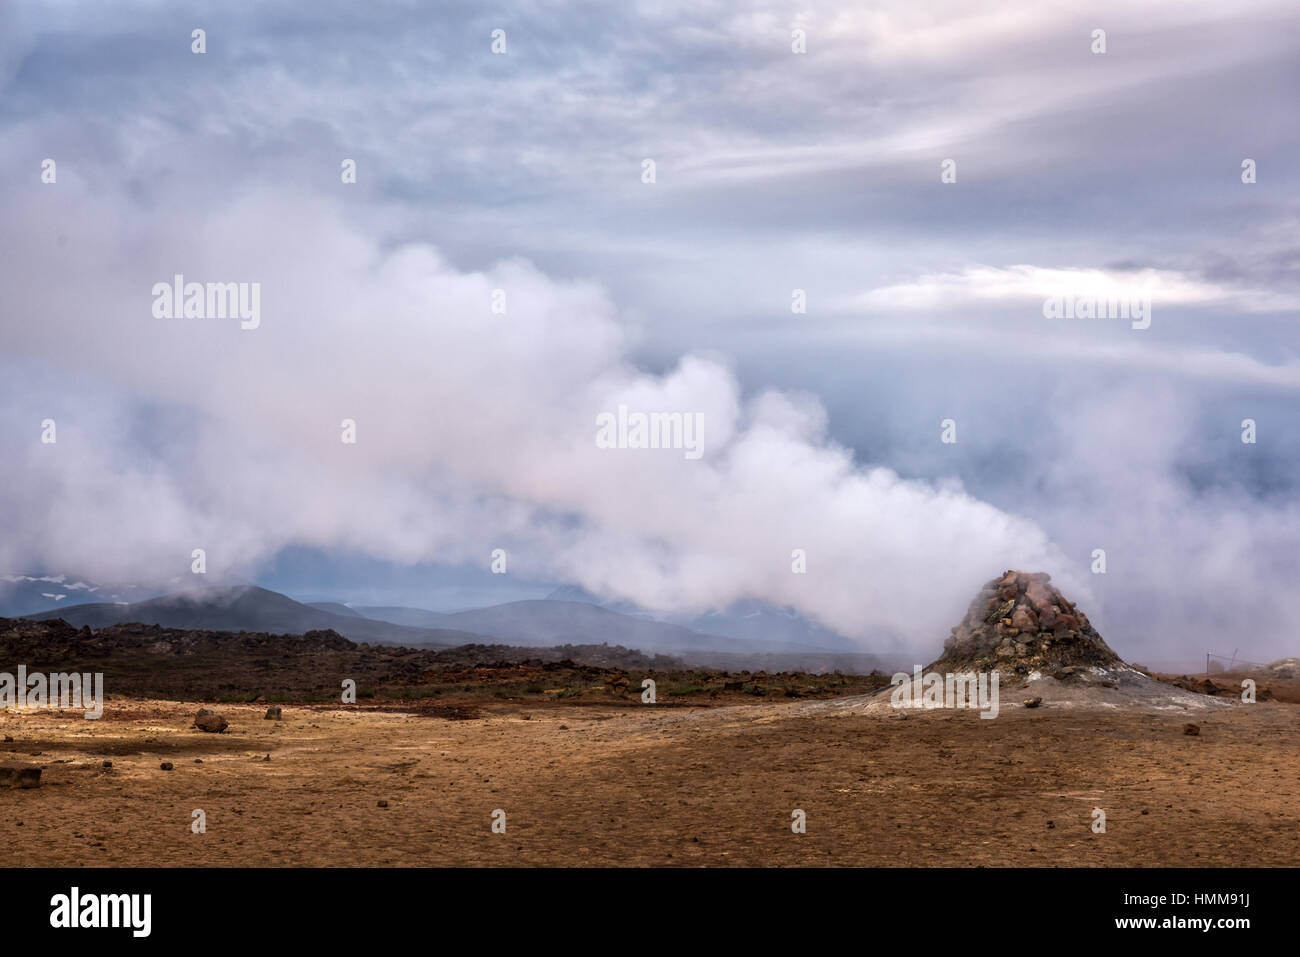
(141,660)
(150,661)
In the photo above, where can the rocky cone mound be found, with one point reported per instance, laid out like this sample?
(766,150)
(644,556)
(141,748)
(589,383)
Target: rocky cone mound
(1021,624)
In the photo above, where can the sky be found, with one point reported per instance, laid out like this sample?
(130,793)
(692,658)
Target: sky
(925,178)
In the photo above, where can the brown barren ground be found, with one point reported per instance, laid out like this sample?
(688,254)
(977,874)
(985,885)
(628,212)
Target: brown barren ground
(629,784)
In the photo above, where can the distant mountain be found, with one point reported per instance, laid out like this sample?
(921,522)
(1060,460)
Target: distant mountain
(578,593)
(544,622)
(750,621)
(249,608)
(334,608)
(399,615)
(745,632)
(760,622)
(22,594)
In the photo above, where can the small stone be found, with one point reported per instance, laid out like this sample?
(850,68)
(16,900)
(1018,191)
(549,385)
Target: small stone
(1033,702)
(1192,729)
(272,713)
(166,766)
(108,764)
(383,804)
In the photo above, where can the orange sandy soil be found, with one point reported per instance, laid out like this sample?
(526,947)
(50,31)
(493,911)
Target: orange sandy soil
(653,785)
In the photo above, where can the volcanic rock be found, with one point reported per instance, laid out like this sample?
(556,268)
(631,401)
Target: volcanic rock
(210,721)
(1022,629)
(1020,624)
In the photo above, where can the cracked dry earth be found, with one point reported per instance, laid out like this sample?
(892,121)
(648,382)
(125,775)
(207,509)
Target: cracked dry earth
(646,785)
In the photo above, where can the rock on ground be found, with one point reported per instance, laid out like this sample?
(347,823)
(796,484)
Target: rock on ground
(210,721)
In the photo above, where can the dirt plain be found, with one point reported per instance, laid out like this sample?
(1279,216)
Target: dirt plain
(601,779)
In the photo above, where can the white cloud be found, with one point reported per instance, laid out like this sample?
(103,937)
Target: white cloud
(1019,284)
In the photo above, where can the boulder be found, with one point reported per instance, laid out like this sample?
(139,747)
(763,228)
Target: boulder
(210,721)
(1024,618)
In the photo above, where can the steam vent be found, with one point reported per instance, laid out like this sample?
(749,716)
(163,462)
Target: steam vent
(1020,624)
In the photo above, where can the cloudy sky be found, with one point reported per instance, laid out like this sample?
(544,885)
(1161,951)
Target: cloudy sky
(1076,173)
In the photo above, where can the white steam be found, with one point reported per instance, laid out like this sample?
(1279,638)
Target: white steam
(475,431)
